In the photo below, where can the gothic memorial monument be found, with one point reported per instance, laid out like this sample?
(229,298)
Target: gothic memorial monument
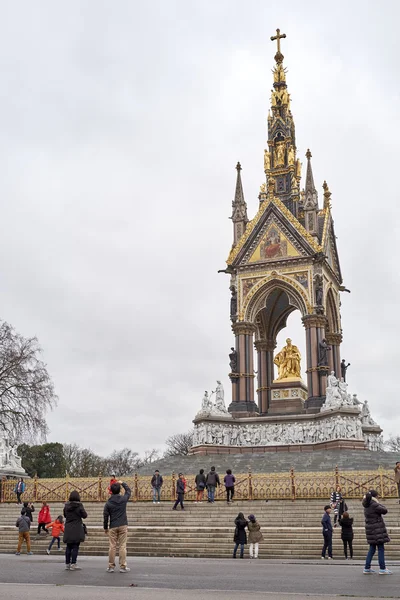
(285,259)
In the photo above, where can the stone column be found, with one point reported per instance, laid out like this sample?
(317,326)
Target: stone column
(265,352)
(243,396)
(334,340)
(316,375)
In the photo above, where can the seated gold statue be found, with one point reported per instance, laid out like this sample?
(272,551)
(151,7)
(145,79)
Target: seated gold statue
(288,361)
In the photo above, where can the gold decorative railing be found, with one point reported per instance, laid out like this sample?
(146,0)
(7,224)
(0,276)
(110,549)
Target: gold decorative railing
(249,486)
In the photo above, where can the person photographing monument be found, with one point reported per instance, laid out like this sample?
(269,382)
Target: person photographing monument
(116,525)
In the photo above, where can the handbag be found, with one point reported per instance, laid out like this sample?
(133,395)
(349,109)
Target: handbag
(85,531)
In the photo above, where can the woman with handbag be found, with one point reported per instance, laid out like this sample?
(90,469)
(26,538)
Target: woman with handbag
(200,482)
(75,529)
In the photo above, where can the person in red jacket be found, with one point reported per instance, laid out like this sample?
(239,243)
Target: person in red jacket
(44,517)
(112,480)
(57,527)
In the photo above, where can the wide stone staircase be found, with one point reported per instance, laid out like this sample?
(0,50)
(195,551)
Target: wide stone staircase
(291,530)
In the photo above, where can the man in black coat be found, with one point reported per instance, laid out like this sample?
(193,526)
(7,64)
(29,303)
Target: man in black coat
(116,525)
(327,532)
(156,484)
(212,481)
(180,492)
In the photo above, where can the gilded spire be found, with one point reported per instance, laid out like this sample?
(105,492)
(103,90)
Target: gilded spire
(311,196)
(239,208)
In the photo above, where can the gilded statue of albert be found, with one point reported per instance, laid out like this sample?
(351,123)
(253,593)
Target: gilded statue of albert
(288,361)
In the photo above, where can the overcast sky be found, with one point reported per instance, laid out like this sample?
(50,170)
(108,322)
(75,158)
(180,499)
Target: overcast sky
(121,125)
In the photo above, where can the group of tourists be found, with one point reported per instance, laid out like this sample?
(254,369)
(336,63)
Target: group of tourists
(74,530)
(375,528)
(208,483)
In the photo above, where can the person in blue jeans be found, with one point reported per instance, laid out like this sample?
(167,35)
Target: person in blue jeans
(240,537)
(212,481)
(156,484)
(375,530)
(327,532)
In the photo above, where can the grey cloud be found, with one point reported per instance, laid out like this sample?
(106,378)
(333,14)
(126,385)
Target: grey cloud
(121,128)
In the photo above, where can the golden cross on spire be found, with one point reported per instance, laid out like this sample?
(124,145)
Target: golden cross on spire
(278,38)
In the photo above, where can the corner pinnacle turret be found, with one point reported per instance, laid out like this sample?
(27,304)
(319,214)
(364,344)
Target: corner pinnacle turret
(239,209)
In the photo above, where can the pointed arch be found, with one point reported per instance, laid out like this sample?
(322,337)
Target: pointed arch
(332,313)
(257,298)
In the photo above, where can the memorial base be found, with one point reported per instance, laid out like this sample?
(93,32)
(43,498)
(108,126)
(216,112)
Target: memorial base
(331,445)
(288,397)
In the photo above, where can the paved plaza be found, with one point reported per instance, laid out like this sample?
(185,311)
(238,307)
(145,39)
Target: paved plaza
(179,578)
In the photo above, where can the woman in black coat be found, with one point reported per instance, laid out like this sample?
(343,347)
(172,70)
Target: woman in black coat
(347,534)
(240,537)
(74,532)
(375,530)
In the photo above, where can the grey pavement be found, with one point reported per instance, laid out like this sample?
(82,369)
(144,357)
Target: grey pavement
(43,592)
(174,577)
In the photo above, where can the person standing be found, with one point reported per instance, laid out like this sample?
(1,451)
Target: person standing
(24,524)
(28,509)
(116,525)
(57,527)
(200,482)
(240,537)
(156,483)
(338,504)
(229,482)
(327,532)
(44,518)
(376,533)
(255,535)
(74,530)
(397,478)
(212,481)
(19,489)
(112,480)
(180,492)
(347,534)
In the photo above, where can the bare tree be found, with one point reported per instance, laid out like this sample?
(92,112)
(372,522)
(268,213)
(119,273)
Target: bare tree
(26,389)
(392,444)
(179,444)
(150,456)
(122,462)
(71,458)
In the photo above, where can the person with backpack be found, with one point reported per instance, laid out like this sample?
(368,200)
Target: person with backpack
(24,524)
(376,533)
(156,484)
(240,537)
(57,527)
(44,518)
(347,534)
(212,482)
(255,535)
(200,483)
(229,482)
(74,530)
